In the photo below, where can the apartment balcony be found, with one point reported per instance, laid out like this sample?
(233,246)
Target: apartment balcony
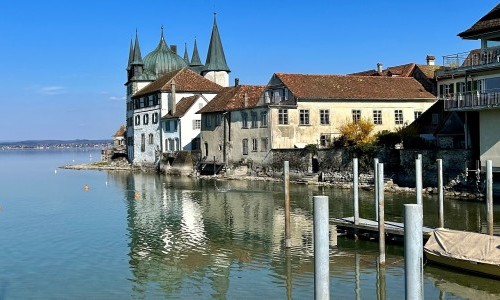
(475,60)
(475,100)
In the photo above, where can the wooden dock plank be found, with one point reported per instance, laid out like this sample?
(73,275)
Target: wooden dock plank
(393,228)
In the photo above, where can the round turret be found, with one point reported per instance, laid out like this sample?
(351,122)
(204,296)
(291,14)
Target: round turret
(163,60)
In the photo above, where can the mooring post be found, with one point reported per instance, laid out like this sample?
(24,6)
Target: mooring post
(375,185)
(355,186)
(321,248)
(381,216)
(413,243)
(440,192)
(215,167)
(418,179)
(286,174)
(357,290)
(489,195)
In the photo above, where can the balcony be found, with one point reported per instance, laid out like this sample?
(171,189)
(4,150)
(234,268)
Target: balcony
(472,100)
(476,59)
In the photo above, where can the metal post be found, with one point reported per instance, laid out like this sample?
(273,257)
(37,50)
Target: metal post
(355,185)
(321,248)
(413,251)
(381,217)
(440,191)
(489,196)
(215,168)
(418,180)
(286,174)
(375,185)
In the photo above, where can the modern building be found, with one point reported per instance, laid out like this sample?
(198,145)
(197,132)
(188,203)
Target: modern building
(470,83)
(150,95)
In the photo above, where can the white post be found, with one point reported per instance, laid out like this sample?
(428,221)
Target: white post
(286,179)
(418,180)
(355,186)
(381,216)
(489,195)
(321,248)
(413,243)
(375,185)
(440,191)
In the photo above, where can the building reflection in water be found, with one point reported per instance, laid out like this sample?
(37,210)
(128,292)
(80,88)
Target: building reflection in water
(204,238)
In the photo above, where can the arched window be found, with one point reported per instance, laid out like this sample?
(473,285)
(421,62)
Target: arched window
(137,120)
(155,118)
(150,139)
(145,119)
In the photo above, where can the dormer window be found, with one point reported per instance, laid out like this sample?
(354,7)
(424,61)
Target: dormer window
(267,97)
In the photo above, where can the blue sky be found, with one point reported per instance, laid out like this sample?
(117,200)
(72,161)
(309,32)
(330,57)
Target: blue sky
(63,62)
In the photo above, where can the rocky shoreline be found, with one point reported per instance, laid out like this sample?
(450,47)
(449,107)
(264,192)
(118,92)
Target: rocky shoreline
(365,184)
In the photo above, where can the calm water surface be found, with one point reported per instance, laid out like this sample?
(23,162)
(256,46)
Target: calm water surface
(151,237)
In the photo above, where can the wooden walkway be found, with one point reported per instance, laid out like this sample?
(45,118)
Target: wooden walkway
(369,228)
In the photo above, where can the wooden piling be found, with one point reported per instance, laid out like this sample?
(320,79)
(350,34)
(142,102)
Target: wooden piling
(375,185)
(355,187)
(413,245)
(286,179)
(418,180)
(321,248)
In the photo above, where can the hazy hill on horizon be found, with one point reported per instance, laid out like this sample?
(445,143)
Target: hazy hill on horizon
(54,142)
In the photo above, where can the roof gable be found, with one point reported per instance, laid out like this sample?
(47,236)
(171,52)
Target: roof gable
(233,98)
(353,87)
(186,80)
(488,23)
(182,107)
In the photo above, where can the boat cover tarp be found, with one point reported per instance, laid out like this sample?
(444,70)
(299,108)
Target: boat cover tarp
(471,246)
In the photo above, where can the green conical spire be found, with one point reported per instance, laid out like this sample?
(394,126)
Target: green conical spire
(186,56)
(130,55)
(137,58)
(195,58)
(216,60)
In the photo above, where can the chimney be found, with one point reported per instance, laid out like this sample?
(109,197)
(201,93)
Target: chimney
(379,67)
(172,94)
(246,100)
(236,81)
(430,60)
(173,48)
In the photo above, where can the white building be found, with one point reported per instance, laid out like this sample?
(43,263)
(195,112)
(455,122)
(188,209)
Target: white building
(157,83)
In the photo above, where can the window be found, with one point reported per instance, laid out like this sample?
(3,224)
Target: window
(264,144)
(151,101)
(145,119)
(141,102)
(377,117)
(195,144)
(175,125)
(155,118)
(324,116)
(254,145)
(150,139)
(171,145)
(356,115)
(137,120)
(283,116)
(155,100)
(177,145)
(197,124)
(263,119)
(218,118)
(245,146)
(398,117)
(143,142)
(167,126)
(244,120)
(207,121)
(206,149)
(417,114)
(254,119)
(304,117)
(324,140)
(137,104)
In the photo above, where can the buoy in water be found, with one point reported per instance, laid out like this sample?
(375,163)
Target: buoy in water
(137,196)
(86,188)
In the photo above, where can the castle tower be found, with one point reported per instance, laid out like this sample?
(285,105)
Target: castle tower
(216,68)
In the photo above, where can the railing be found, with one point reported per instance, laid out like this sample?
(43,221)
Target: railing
(472,100)
(477,57)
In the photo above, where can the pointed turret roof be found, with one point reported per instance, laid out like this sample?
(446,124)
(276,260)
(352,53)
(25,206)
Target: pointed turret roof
(186,56)
(216,60)
(137,58)
(130,55)
(195,58)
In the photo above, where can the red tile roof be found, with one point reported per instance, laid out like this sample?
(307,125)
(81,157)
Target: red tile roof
(120,131)
(353,87)
(488,23)
(182,107)
(233,98)
(185,81)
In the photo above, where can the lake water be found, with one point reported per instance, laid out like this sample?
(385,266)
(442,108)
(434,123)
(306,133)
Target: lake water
(134,235)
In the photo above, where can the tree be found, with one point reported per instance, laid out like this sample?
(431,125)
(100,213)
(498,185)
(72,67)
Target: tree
(357,132)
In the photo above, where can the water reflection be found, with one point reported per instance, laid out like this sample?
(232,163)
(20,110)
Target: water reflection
(201,238)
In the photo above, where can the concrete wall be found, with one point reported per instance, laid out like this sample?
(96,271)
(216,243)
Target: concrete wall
(489,137)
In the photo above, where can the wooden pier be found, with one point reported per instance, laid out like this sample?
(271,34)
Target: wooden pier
(369,229)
